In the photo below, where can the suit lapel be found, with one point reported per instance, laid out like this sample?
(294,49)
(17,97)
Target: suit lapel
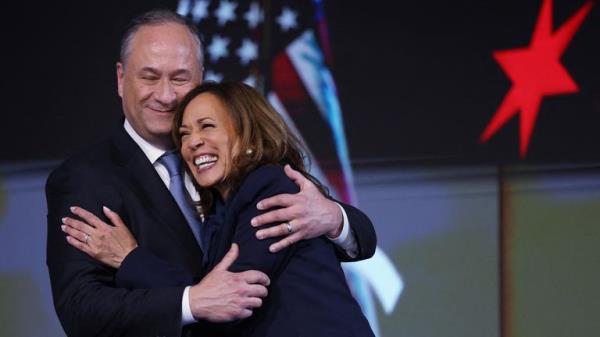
(147,185)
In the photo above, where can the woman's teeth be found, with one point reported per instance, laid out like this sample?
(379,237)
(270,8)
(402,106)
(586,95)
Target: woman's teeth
(205,160)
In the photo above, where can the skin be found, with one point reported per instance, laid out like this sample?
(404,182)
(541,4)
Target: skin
(161,68)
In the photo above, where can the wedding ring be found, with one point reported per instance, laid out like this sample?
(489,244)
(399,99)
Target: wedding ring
(289,227)
(87,238)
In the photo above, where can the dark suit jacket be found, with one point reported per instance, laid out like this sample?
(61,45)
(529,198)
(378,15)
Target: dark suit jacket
(308,295)
(88,301)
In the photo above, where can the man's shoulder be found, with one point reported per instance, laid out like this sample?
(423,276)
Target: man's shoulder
(91,161)
(89,156)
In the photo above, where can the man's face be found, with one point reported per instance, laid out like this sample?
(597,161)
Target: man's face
(162,66)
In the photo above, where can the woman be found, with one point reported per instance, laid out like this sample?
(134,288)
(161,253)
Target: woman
(235,145)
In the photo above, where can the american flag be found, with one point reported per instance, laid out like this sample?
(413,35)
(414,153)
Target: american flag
(281,48)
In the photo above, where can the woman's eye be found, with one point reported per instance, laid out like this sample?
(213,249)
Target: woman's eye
(208,125)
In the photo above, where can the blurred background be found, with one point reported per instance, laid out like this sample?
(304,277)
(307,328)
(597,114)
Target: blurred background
(476,238)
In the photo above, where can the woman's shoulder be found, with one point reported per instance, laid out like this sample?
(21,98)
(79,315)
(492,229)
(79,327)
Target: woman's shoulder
(265,181)
(266,173)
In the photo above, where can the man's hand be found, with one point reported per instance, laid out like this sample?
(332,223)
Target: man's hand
(304,215)
(223,296)
(105,243)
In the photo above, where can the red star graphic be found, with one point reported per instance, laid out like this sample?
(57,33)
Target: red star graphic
(535,72)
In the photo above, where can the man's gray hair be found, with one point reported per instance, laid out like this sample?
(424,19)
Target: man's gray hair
(157,17)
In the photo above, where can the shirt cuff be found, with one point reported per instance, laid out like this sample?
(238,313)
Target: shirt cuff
(346,240)
(186,311)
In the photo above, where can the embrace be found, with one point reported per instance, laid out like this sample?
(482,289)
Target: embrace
(197,217)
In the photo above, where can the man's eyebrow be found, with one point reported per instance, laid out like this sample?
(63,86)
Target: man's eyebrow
(149,70)
(181,72)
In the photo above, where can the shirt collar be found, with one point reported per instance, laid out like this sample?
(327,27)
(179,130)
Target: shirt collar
(151,151)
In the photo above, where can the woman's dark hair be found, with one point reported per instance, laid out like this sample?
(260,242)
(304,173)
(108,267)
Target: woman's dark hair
(263,135)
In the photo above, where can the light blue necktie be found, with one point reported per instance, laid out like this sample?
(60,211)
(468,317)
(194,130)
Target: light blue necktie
(172,161)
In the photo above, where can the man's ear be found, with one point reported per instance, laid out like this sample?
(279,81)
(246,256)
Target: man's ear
(120,74)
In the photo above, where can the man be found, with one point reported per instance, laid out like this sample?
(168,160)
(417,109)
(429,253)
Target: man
(161,60)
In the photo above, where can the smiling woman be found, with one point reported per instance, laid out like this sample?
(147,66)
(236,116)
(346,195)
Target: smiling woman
(235,146)
(208,142)
(225,130)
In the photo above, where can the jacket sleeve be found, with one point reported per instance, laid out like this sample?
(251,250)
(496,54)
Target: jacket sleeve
(262,183)
(142,269)
(364,233)
(86,298)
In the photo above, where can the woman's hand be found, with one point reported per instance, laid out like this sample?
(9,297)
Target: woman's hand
(105,243)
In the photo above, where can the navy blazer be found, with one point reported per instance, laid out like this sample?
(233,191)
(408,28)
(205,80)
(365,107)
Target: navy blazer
(116,173)
(88,297)
(308,295)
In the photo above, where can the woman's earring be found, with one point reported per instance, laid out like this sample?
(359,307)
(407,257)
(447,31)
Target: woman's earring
(249,152)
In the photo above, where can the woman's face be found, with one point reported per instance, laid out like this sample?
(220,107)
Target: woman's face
(208,141)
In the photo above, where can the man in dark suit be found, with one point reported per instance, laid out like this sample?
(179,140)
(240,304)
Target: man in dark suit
(161,60)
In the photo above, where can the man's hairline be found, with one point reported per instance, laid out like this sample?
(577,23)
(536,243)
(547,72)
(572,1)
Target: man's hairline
(195,39)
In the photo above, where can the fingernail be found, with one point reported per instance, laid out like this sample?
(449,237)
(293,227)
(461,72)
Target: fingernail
(106,209)
(63,220)
(259,205)
(253,222)
(259,235)
(72,208)
(63,227)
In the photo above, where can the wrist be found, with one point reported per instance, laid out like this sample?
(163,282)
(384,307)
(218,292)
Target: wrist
(339,220)
(334,234)
(118,260)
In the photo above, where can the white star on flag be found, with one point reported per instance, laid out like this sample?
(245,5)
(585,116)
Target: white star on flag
(200,10)
(226,12)
(287,19)
(250,80)
(254,15)
(247,52)
(218,47)
(184,7)
(212,76)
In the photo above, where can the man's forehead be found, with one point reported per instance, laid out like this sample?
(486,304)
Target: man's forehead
(158,46)
(166,33)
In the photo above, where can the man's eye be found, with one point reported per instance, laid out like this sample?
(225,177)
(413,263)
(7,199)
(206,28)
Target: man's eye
(180,81)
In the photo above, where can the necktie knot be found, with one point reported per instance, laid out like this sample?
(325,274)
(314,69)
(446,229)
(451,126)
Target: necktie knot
(172,162)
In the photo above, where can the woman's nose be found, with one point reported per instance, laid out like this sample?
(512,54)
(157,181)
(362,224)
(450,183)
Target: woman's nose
(196,141)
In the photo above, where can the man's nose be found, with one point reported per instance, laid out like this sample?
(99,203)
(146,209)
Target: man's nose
(165,93)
